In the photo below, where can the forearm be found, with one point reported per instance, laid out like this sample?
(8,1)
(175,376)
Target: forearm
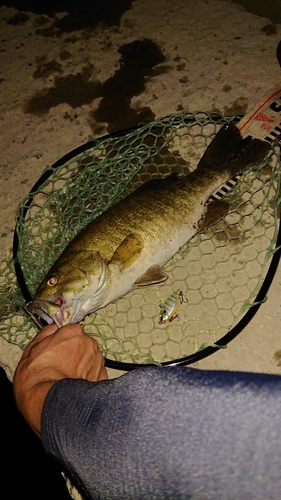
(31,385)
(30,403)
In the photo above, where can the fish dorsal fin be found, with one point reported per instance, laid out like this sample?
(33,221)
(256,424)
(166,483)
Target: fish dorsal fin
(155,274)
(128,251)
(154,184)
(215,210)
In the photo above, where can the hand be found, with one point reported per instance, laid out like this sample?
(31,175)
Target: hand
(53,355)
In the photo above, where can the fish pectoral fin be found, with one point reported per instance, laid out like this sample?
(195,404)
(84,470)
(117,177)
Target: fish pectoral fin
(155,274)
(215,210)
(128,251)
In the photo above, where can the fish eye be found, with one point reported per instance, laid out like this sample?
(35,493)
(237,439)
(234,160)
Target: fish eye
(52,281)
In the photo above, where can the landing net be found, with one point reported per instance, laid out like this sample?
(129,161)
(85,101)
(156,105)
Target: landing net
(223,272)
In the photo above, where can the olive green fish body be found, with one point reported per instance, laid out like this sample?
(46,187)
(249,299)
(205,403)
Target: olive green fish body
(128,245)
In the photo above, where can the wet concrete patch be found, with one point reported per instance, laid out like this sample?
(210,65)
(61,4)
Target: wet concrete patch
(80,15)
(277,357)
(264,8)
(140,60)
(107,13)
(45,69)
(74,90)
(239,106)
(269,29)
(18,18)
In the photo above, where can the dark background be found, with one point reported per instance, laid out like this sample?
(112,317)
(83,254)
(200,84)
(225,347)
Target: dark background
(27,471)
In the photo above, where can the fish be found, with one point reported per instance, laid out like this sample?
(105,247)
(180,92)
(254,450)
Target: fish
(127,246)
(169,308)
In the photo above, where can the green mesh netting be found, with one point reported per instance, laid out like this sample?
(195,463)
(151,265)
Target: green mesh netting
(220,271)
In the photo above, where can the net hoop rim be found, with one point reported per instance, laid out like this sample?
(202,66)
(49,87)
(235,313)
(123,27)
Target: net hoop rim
(197,355)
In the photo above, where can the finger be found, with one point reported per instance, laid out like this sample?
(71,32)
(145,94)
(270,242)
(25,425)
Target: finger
(46,331)
(98,371)
(70,330)
(103,374)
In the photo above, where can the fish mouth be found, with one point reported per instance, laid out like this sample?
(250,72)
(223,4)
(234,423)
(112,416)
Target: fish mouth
(38,310)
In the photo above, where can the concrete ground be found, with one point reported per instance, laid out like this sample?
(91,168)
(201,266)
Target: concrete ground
(62,84)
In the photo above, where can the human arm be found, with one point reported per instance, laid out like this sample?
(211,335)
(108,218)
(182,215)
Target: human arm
(51,356)
(159,432)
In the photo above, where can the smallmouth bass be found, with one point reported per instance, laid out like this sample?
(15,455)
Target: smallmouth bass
(128,245)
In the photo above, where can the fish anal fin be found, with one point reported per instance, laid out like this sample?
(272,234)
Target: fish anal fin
(215,210)
(128,251)
(155,274)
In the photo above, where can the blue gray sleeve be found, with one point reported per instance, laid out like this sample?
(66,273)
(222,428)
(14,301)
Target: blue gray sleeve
(169,433)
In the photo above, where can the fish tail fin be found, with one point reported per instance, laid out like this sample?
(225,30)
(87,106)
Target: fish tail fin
(230,150)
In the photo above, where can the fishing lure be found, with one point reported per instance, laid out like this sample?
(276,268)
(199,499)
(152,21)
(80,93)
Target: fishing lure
(168,310)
